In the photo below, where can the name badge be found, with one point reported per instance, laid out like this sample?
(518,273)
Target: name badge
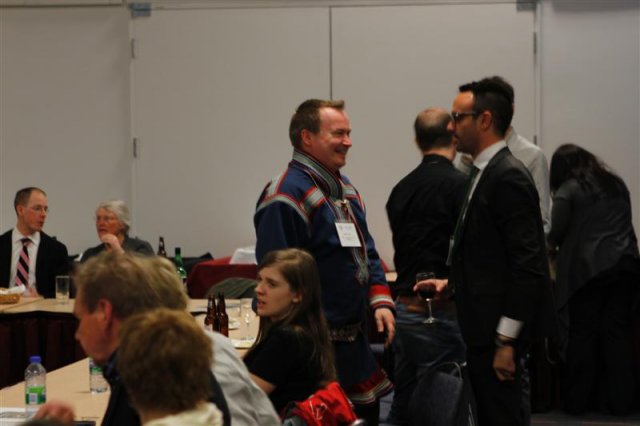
(348,234)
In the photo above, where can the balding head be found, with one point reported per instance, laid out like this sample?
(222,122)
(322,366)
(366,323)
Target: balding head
(431,129)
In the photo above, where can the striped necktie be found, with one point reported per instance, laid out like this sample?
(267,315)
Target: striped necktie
(463,210)
(22,273)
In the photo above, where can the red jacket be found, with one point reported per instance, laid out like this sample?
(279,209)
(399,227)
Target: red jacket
(327,407)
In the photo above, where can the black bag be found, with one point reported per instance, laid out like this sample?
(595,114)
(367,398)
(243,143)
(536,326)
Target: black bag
(443,397)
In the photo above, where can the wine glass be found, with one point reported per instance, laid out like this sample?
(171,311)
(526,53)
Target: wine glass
(427,293)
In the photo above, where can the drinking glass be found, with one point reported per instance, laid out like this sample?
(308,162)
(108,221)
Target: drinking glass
(427,293)
(247,315)
(62,289)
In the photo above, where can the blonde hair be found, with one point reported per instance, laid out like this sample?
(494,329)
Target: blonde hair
(162,360)
(131,283)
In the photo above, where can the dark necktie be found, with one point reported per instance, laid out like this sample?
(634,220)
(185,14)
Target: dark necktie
(22,273)
(463,210)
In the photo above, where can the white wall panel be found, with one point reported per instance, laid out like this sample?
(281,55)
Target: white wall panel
(389,63)
(214,92)
(591,75)
(64,113)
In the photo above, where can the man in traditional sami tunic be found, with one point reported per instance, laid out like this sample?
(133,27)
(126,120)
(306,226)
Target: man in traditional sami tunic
(313,207)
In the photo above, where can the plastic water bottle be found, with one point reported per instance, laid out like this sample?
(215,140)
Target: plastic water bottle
(35,384)
(97,382)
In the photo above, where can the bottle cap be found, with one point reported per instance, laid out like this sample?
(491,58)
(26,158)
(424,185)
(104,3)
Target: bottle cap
(35,358)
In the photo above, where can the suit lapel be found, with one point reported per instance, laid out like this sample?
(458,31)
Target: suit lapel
(5,258)
(486,174)
(41,257)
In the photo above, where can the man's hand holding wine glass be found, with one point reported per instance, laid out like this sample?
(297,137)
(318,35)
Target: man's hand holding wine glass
(440,285)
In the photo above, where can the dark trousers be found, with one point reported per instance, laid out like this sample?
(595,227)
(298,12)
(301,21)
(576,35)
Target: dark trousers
(417,348)
(498,403)
(600,351)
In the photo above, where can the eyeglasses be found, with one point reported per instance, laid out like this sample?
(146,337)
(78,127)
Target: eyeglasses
(458,116)
(39,209)
(106,219)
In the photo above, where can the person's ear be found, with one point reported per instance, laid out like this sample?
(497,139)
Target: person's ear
(306,136)
(486,120)
(297,298)
(104,309)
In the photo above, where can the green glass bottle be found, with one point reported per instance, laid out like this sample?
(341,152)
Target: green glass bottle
(182,273)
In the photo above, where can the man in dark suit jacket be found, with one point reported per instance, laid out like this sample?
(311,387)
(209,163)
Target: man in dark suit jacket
(47,256)
(499,265)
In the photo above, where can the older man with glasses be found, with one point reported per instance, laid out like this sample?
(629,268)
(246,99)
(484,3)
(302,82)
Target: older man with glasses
(112,226)
(28,256)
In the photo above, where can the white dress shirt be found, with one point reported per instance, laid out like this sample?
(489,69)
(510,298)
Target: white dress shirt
(482,160)
(248,404)
(534,160)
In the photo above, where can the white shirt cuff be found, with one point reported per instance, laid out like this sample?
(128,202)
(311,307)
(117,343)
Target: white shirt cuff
(509,327)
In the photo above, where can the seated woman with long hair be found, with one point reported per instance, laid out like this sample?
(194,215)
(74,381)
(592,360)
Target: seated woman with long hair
(292,356)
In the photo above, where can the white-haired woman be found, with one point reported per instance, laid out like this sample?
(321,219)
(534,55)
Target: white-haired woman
(112,225)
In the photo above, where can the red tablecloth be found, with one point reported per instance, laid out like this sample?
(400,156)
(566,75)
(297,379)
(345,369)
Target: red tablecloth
(206,274)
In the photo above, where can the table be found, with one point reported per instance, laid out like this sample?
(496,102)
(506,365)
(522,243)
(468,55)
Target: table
(69,384)
(23,301)
(198,308)
(47,328)
(39,304)
(205,275)
(36,326)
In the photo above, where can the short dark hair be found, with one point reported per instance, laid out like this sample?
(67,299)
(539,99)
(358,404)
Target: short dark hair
(163,359)
(307,117)
(431,131)
(22,196)
(493,94)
